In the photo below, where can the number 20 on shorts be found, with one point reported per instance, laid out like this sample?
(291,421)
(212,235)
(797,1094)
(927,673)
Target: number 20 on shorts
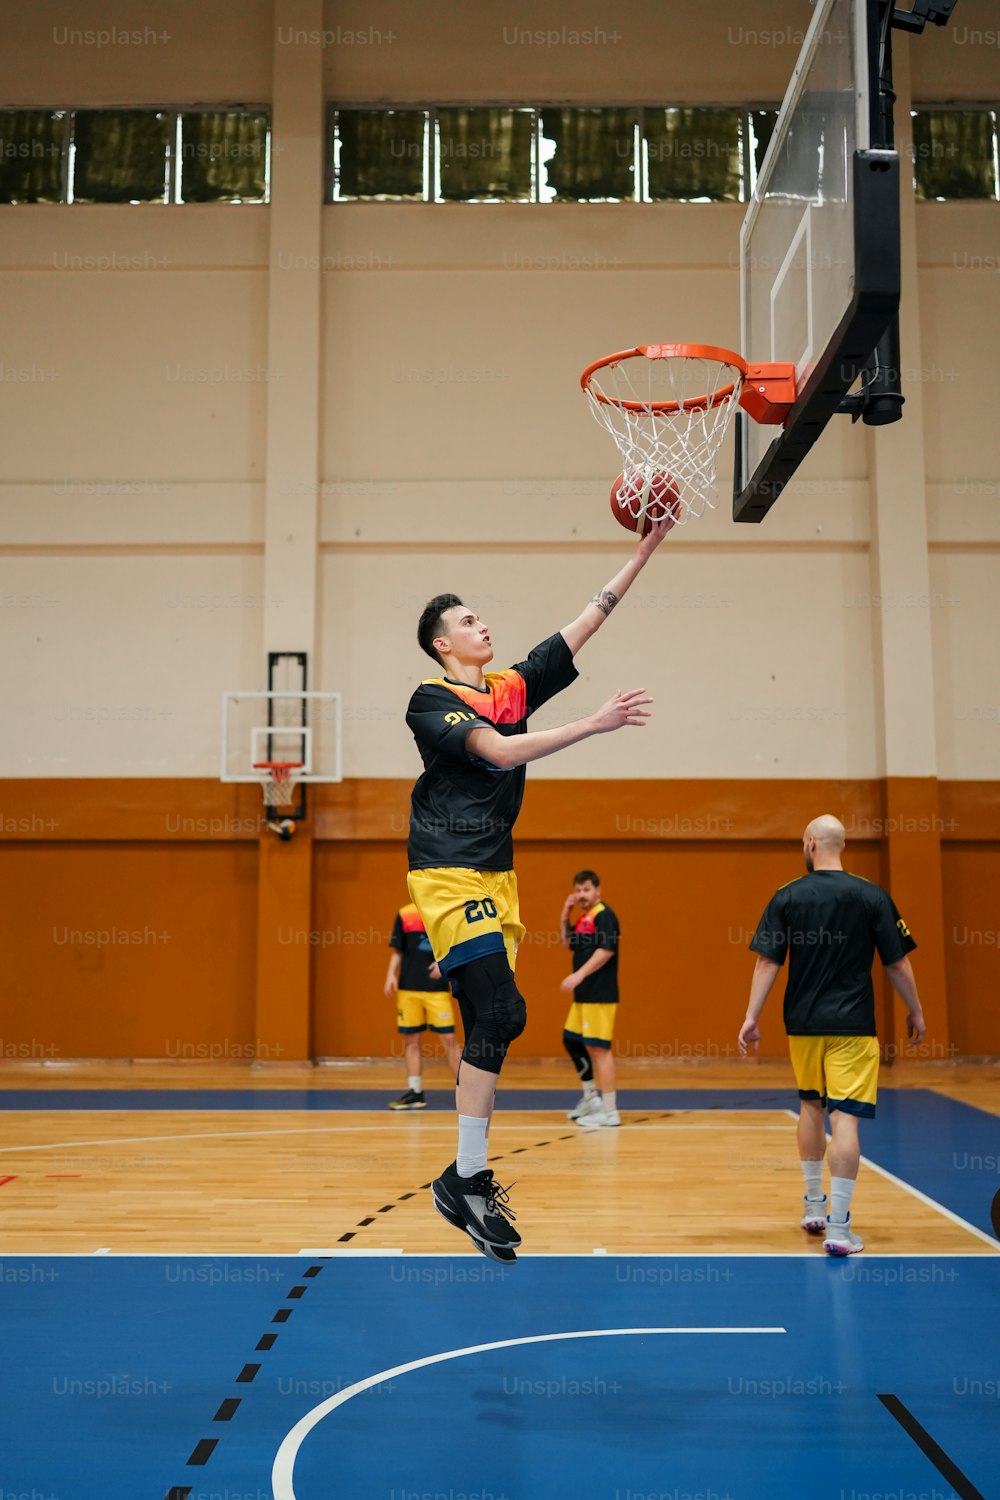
(473,913)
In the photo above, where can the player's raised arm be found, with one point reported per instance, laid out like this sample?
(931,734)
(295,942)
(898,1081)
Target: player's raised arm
(603,602)
(508,751)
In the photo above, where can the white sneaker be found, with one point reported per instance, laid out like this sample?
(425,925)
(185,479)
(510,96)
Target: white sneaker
(590,1104)
(813,1221)
(840,1239)
(597,1118)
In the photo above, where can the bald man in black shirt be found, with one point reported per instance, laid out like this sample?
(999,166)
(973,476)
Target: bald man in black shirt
(831,923)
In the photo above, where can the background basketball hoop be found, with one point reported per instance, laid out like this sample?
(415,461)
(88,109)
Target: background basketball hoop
(278,790)
(669,407)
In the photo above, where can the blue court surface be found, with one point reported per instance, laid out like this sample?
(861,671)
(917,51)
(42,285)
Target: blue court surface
(594,1378)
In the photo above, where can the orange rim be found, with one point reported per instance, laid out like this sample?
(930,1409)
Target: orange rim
(280,769)
(668,351)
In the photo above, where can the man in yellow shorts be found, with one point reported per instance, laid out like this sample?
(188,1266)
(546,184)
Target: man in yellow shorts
(590,1026)
(471,729)
(423,1000)
(832,923)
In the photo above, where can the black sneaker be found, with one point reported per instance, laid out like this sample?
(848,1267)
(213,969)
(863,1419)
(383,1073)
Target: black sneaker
(478,1205)
(492,1252)
(410,1100)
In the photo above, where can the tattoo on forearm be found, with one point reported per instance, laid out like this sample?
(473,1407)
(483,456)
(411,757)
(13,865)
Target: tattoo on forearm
(605,601)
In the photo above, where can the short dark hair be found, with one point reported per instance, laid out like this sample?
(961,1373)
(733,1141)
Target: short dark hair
(582,876)
(430,623)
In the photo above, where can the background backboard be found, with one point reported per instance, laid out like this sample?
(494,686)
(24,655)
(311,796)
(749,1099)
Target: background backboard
(819,248)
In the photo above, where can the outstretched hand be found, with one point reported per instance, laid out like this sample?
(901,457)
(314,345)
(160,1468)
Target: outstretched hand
(622,709)
(657,532)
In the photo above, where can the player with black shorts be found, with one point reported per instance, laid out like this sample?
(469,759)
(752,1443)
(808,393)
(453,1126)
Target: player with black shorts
(472,733)
(831,923)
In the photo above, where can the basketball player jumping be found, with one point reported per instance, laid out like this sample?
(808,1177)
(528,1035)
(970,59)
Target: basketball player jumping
(471,730)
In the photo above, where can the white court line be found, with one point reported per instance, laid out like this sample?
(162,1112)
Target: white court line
(932,1203)
(345,1252)
(389,1126)
(284,1460)
(907,1187)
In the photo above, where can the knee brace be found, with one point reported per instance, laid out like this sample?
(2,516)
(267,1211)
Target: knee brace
(580,1056)
(493,1010)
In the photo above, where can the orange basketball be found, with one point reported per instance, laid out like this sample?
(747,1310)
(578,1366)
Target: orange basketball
(647,497)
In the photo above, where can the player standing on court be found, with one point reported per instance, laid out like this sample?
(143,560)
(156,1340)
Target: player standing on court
(471,730)
(590,1026)
(423,999)
(832,922)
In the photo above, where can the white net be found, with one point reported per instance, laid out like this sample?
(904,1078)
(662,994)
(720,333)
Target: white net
(667,432)
(276,784)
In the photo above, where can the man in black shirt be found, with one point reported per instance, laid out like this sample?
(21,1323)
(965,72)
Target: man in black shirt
(832,923)
(471,730)
(423,999)
(590,1026)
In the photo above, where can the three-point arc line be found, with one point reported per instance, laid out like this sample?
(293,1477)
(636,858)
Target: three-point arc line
(284,1461)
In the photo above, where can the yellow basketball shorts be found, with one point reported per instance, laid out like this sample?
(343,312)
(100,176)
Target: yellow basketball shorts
(467,913)
(418,1009)
(840,1071)
(591,1023)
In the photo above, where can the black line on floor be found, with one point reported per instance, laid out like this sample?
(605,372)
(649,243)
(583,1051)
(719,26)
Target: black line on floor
(227,1408)
(203,1452)
(949,1470)
(385,1209)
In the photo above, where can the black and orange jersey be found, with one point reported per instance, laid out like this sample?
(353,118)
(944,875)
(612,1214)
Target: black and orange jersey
(831,923)
(463,809)
(409,937)
(596,928)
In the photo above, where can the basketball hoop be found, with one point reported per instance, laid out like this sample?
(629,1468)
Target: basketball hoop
(668,408)
(276,782)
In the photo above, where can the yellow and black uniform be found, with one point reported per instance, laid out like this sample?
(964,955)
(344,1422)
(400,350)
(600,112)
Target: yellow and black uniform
(420,1000)
(591,1018)
(832,923)
(461,851)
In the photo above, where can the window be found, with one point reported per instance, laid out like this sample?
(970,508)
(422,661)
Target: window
(554,154)
(590,155)
(119,156)
(380,153)
(31,155)
(485,155)
(694,153)
(135,156)
(223,156)
(955,153)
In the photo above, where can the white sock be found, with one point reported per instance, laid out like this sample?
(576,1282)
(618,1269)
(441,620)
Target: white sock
(471,1155)
(416,1083)
(841,1189)
(610,1100)
(812,1171)
(589,1089)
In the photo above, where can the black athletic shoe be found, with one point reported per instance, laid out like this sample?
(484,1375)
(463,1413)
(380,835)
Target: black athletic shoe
(478,1205)
(410,1100)
(506,1257)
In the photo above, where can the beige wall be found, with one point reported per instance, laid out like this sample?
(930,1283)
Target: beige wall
(455,448)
